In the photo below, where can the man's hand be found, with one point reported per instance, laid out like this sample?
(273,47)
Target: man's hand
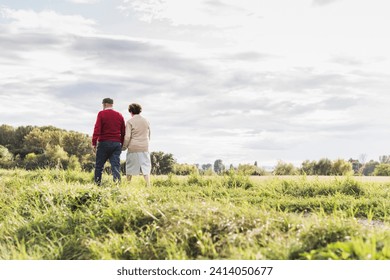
(94,149)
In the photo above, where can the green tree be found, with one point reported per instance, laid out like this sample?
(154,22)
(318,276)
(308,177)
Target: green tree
(341,167)
(35,141)
(77,144)
(207,166)
(6,158)
(218,166)
(38,139)
(384,159)
(5,154)
(356,165)
(18,148)
(7,136)
(308,167)
(207,169)
(382,169)
(324,167)
(283,168)
(369,168)
(162,163)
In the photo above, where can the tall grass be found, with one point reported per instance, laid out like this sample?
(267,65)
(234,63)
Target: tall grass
(54,214)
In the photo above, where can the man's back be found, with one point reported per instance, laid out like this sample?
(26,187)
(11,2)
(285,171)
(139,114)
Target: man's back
(109,126)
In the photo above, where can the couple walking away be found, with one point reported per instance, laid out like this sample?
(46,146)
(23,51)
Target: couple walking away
(111,136)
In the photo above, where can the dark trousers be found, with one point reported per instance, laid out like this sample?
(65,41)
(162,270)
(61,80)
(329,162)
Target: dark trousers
(108,151)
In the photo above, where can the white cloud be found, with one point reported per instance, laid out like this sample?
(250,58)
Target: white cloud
(84,1)
(177,12)
(47,21)
(324,2)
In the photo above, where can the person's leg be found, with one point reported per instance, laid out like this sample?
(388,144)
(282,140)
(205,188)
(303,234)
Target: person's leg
(115,161)
(147,180)
(131,164)
(146,166)
(101,158)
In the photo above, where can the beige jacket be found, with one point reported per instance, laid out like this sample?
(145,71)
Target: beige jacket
(137,135)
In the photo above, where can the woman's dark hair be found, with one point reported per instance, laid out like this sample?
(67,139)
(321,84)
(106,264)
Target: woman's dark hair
(135,108)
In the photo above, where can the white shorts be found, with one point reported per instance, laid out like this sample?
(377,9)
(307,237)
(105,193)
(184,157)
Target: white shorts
(138,163)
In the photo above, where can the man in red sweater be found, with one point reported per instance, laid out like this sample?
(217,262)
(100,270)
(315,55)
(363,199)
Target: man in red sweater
(107,140)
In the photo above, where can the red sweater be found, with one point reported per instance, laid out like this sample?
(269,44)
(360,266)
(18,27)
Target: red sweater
(109,126)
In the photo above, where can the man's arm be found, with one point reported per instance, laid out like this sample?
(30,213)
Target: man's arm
(97,130)
(123,130)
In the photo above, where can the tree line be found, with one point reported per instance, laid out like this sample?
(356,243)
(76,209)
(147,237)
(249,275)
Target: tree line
(322,167)
(33,147)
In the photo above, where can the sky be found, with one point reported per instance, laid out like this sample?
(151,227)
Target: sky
(236,80)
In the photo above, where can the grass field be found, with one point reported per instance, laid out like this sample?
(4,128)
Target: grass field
(53,214)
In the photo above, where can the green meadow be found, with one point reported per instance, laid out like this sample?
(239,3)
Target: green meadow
(62,215)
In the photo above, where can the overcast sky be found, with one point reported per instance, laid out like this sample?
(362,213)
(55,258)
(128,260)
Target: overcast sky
(237,80)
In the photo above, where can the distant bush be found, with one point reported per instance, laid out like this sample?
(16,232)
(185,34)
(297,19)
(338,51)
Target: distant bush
(326,167)
(6,158)
(184,169)
(250,170)
(382,169)
(283,168)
